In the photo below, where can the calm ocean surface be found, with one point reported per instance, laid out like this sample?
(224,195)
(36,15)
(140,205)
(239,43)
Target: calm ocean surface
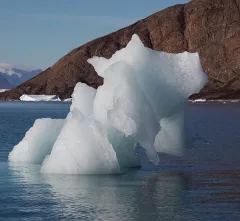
(202,185)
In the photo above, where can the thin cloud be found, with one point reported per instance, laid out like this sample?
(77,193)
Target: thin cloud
(102,20)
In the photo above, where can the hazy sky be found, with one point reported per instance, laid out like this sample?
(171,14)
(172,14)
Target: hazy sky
(37,33)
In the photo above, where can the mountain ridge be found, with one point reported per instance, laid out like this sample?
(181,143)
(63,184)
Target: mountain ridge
(4,84)
(15,75)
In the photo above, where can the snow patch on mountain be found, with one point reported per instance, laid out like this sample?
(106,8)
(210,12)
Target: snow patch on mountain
(16,75)
(8,69)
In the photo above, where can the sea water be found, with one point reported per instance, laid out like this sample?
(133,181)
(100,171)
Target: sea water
(202,185)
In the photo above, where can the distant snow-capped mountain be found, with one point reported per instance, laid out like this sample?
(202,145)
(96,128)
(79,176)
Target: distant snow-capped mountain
(11,76)
(4,84)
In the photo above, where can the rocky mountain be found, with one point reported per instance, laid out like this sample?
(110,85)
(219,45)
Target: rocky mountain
(16,76)
(210,27)
(4,84)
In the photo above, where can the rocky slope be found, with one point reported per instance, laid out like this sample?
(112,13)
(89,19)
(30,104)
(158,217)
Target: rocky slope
(210,27)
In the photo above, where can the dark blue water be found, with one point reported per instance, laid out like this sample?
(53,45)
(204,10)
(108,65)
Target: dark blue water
(202,185)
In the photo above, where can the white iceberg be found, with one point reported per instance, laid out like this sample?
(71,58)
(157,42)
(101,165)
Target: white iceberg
(198,100)
(28,97)
(67,100)
(141,103)
(3,90)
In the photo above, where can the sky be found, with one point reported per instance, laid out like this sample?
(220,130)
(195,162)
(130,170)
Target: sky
(37,33)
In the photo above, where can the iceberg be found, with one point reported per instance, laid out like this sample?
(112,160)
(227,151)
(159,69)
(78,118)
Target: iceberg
(3,90)
(67,100)
(140,106)
(28,97)
(198,100)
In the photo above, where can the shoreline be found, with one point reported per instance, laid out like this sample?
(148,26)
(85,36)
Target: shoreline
(219,101)
(69,101)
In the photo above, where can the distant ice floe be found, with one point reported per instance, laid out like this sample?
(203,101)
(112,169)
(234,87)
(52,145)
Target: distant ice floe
(67,100)
(215,101)
(3,90)
(197,100)
(140,106)
(42,98)
(26,97)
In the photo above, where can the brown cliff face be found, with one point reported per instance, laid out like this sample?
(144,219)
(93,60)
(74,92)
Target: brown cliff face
(210,27)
